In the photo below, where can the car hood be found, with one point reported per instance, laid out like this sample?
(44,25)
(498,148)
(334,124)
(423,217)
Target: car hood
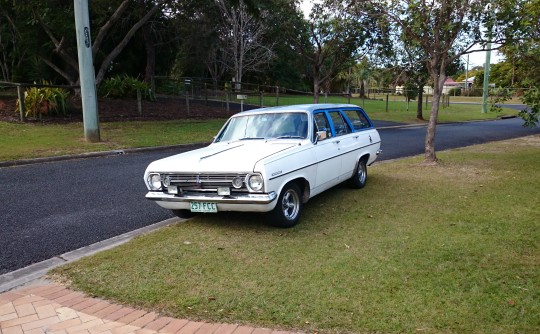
(221,157)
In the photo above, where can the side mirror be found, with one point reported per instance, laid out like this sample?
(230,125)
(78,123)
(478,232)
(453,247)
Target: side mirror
(321,135)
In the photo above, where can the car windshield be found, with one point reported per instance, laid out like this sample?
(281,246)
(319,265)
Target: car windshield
(265,126)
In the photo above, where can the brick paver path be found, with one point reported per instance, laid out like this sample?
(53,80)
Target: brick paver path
(54,309)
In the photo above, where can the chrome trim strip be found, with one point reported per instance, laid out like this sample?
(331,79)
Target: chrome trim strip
(233,199)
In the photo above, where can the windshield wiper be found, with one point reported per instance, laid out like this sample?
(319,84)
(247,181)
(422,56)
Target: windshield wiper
(251,138)
(289,137)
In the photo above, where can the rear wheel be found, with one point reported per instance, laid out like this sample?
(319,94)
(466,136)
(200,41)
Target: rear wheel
(288,208)
(359,178)
(183,213)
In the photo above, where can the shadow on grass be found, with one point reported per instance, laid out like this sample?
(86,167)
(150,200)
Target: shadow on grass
(313,211)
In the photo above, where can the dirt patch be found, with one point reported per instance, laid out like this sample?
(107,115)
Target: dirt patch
(164,108)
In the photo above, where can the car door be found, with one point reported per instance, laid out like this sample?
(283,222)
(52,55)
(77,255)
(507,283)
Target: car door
(364,134)
(327,154)
(346,143)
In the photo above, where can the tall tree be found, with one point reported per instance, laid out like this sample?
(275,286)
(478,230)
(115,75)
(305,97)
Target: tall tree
(242,39)
(445,30)
(114,23)
(335,39)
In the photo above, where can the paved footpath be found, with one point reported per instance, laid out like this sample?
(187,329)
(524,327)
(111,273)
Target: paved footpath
(49,308)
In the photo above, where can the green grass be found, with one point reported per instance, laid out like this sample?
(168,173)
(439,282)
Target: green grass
(20,141)
(451,248)
(397,108)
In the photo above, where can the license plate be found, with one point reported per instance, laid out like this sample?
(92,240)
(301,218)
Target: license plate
(203,207)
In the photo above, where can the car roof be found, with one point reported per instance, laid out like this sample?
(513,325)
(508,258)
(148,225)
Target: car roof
(299,108)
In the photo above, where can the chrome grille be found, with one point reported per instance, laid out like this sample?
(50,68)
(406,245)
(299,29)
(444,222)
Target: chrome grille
(203,181)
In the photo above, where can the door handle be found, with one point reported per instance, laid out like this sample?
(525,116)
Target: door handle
(337,142)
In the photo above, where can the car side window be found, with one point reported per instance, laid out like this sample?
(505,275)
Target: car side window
(322,124)
(340,126)
(357,119)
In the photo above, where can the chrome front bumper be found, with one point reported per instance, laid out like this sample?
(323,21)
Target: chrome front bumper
(232,199)
(241,202)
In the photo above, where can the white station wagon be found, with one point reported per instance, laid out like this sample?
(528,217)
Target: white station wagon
(269,160)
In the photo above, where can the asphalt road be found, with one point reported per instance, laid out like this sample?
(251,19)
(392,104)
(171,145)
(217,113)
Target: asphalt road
(51,208)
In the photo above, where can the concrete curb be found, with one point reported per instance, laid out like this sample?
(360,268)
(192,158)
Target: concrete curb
(35,271)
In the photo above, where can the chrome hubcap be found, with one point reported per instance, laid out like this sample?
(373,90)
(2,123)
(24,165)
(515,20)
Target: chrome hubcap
(361,172)
(290,204)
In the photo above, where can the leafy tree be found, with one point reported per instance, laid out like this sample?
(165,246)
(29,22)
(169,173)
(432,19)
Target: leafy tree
(444,31)
(114,23)
(335,37)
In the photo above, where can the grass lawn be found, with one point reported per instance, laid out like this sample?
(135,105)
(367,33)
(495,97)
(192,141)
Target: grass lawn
(21,141)
(468,108)
(31,140)
(451,248)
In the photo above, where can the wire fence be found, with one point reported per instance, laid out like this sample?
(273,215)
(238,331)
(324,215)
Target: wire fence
(234,96)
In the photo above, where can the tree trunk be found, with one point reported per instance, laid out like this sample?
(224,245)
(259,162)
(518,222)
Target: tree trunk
(429,155)
(316,89)
(150,69)
(419,104)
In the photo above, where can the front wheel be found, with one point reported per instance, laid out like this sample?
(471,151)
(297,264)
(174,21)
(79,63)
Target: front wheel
(288,208)
(359,178)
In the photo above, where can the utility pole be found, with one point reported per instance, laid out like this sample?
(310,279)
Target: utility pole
(86,71)
(486,79)
(467,76)
(487,64)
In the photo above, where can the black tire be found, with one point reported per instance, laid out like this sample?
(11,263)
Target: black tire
(359,178)
(183,213)
(288,207)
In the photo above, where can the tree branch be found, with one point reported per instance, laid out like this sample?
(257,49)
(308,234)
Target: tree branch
(116,51)
(104,30)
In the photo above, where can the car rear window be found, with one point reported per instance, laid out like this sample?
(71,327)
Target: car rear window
(357,119)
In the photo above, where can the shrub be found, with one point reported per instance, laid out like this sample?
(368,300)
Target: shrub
(454,92)
(532,99)
(45,101)
(473,92)
(124,86)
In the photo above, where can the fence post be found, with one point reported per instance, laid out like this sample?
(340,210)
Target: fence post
(277,95)
(187,101)
(20,93)
(227,96)
(260,96)
(205,94)
(386,102)
(139,101)
(426,100)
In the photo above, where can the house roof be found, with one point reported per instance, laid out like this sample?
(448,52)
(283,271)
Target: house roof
(450,82)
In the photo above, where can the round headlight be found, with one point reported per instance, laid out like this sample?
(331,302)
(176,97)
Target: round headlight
(255,182)
(166,181)
(154,181)
(237,182)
